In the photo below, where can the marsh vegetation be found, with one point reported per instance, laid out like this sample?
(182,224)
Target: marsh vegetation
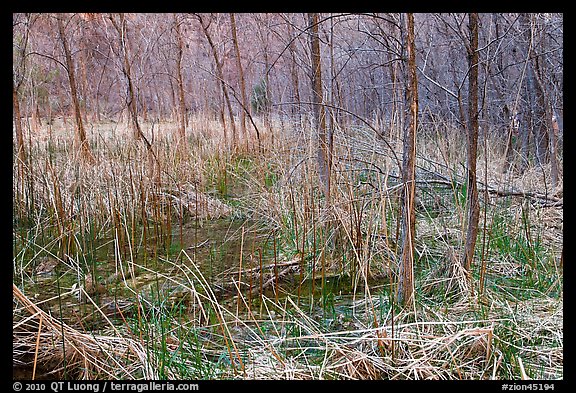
(231,266)
(169,247)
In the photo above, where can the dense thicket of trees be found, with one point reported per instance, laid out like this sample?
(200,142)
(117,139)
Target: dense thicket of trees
(362,57)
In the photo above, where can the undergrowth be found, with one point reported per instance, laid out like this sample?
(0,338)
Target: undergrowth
(230,263)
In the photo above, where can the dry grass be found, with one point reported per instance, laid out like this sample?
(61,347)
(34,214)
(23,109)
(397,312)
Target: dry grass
(449,333)
(43,342)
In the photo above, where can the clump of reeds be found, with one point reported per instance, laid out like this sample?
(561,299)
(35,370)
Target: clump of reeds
(43,342)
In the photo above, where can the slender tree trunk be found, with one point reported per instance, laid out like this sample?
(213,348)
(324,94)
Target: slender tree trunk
(400,70)
(524,135)
(393,71)
(324,152)
(122,30)
(542,117)
(406,275)
(548,124)
(331,98)
(529,93)
(245,104)
(21,150)
(511,133)
(181,100)
(35,111)
(535,91)
(80,132)
(554,130)
(294,74)
(220,76)
(97,93)
(472,190)
(130,101)
(126,69)
(84,85)
(267,108)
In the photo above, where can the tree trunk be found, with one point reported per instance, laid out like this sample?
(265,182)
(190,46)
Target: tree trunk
(513,131)
(220,76)
(331,97)
(526,125)
(264,41)
(294,75)
(83,84)
(548,124)
(80,132)
(126,69)
(406,275)
(554,130)
(245,104)
(21,154)
(324,151)
(472,190)
(181,100)
(534,92)
(122,30)
(541,126)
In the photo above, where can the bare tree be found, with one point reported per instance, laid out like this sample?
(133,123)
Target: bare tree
(406,276)
(19,71)
(219,74)
(80,132)
(263,29)
(296,109)
(181,98)
(18,125)
(473,204)
(324,146)
(245,104)
(546,136)
(122,30)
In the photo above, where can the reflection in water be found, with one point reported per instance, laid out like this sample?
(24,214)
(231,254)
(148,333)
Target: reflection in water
(232,257)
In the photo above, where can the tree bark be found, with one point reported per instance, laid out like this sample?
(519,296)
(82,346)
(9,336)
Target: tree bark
(21,154)
(541,124)
(472,189)
(406,275)
(264,42)
(19,72)
(80,132)
(553,132)
(296,112)
(324,150)
(245,104)
(181,98)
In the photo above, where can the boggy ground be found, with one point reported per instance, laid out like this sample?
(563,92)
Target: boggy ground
(228,263)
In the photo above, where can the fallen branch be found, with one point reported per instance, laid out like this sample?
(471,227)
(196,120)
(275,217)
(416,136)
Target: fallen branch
(271,266)
(553,201)
(271,280)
